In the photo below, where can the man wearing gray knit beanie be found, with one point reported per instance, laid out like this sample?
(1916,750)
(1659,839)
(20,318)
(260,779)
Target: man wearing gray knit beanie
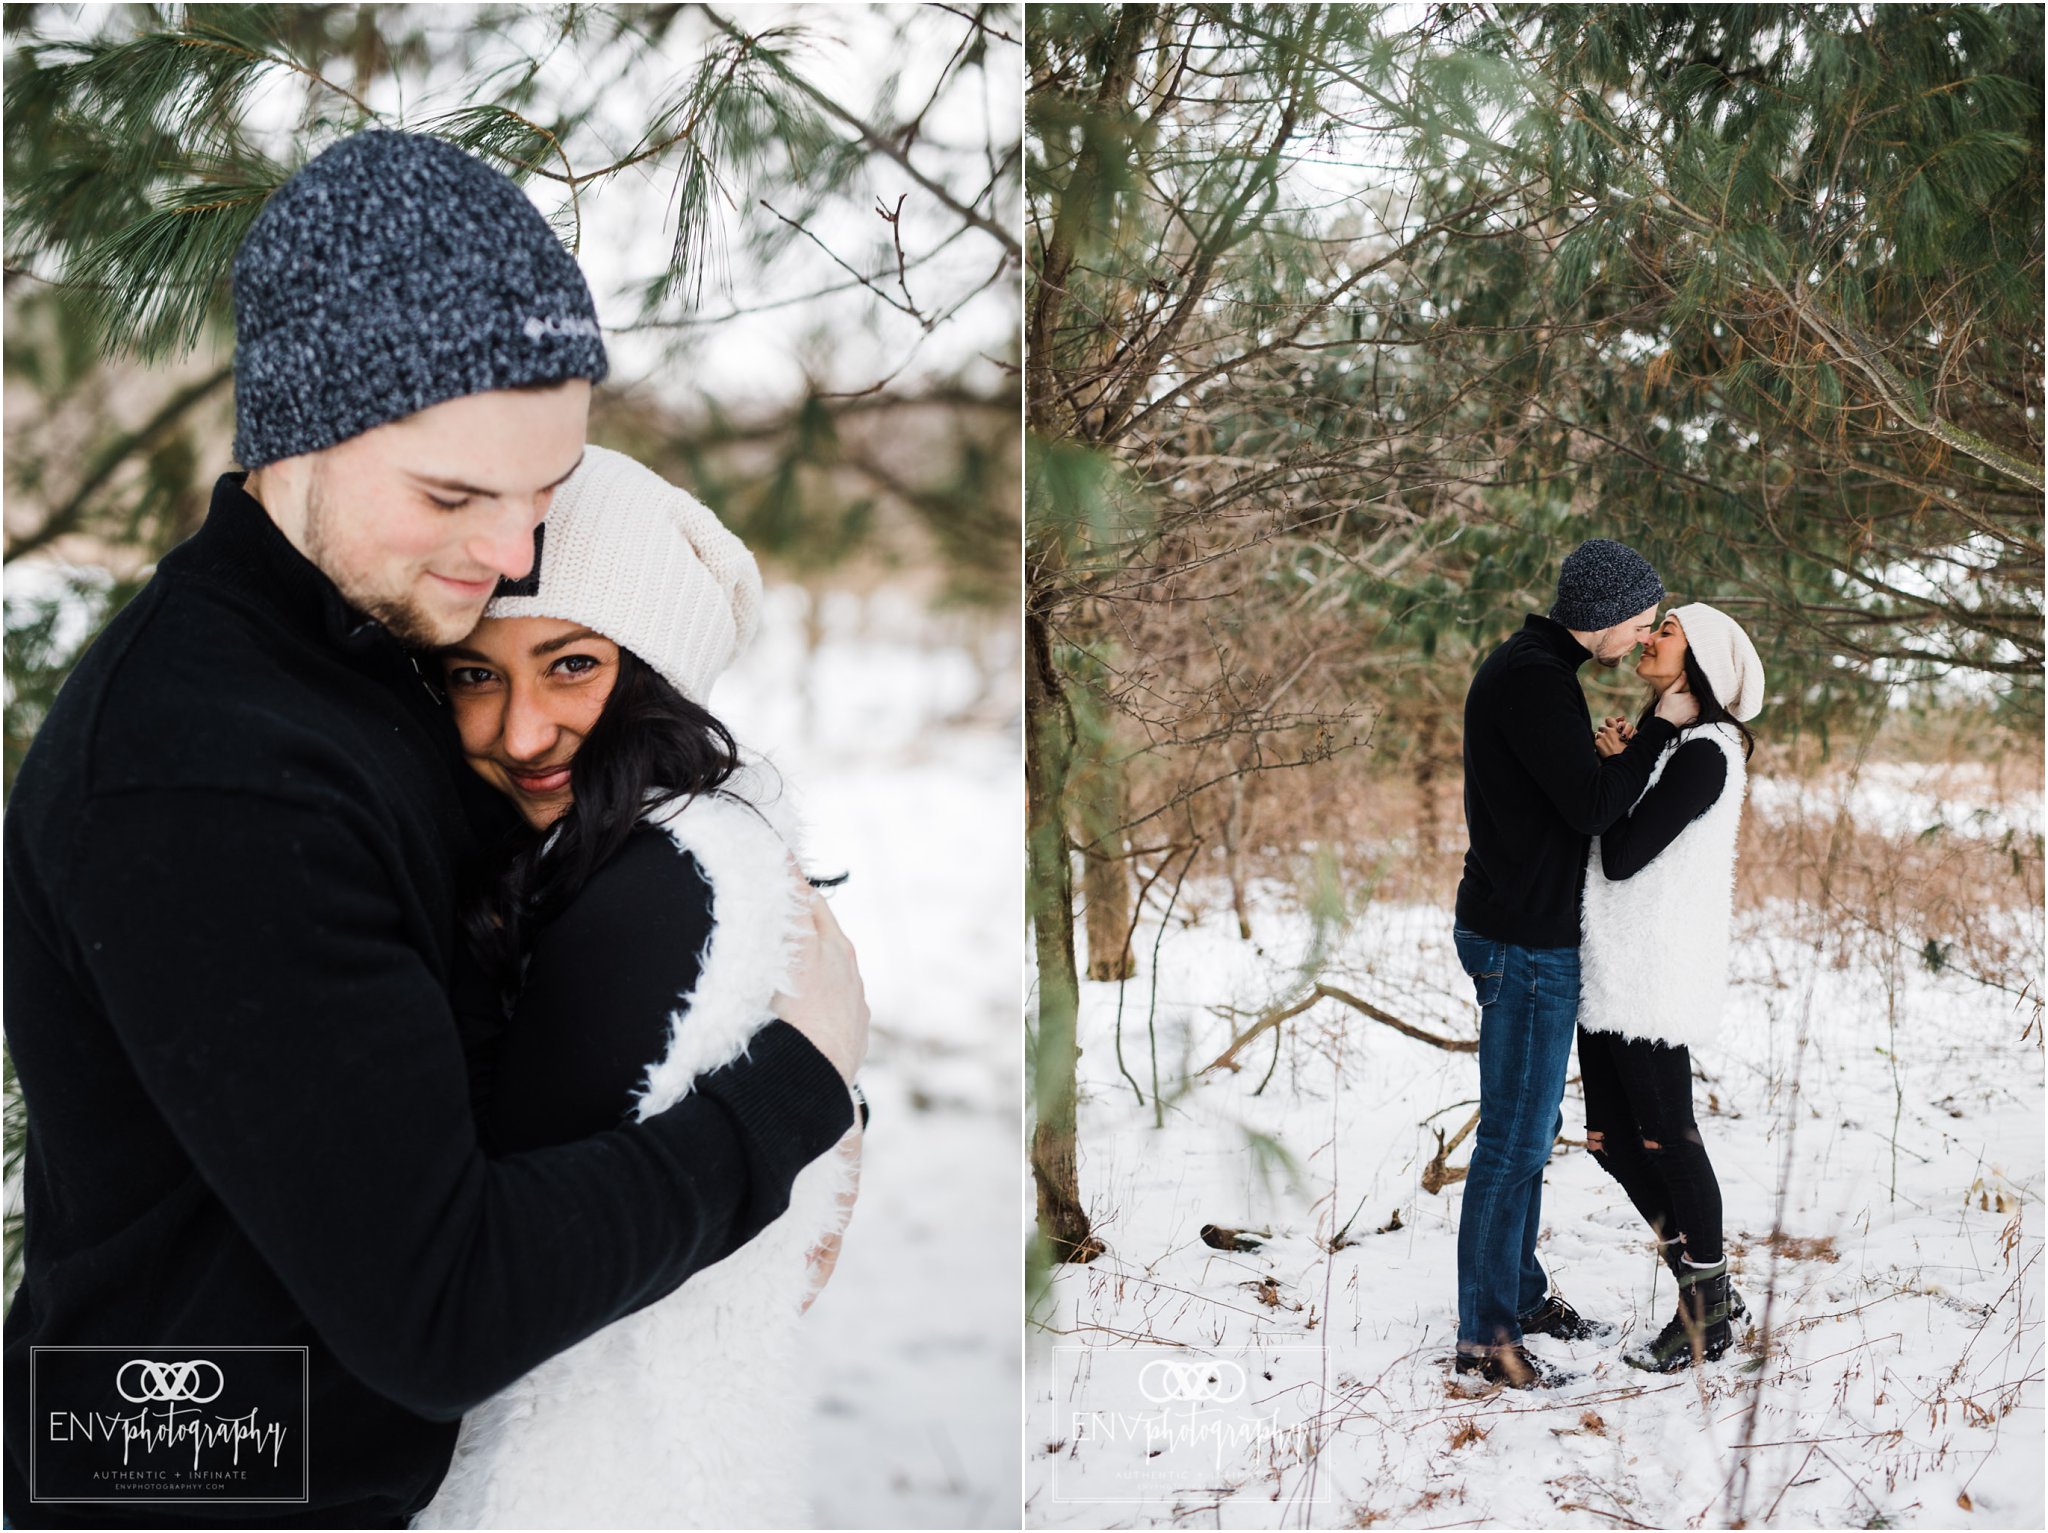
(1536,792)
(246,1025)
(414,354)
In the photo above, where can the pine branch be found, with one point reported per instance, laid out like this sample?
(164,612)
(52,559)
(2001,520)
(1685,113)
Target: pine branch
(502,133)
(149,287)
(874,140)
(1861,353)
(975,21)
(67,518)
(1319,309)
(202,35)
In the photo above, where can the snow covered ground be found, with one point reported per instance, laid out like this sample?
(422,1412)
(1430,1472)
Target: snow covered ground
(910,777)
(1901,798)
(1904,1381)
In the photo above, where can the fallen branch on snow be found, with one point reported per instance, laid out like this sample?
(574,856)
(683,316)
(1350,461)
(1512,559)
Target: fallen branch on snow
(1436,1176)
(1227,1060)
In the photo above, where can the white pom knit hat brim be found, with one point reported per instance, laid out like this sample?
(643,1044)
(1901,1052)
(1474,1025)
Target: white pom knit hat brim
(1725,653)
(649,566)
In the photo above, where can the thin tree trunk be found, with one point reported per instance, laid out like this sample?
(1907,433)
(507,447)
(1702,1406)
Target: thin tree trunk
(1051,411)
(1098,792)
(1048,754)
(1233,860)
(1429,818)
(814,640)
(1107,885)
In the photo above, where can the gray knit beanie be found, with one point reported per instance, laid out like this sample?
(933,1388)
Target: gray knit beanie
(394,272)
(1603,583)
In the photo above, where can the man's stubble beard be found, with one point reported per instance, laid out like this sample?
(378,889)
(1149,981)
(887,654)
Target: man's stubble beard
(400,614)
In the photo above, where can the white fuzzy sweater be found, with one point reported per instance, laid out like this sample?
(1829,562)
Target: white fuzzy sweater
(1653,954)
(692,1412)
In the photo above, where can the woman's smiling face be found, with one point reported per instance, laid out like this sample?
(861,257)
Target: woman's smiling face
(1663,658)
(525,691)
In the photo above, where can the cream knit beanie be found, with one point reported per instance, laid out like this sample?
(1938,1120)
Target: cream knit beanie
(647,565)
(1726,655)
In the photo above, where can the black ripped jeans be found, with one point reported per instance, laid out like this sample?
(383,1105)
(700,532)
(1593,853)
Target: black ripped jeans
(1639,1095)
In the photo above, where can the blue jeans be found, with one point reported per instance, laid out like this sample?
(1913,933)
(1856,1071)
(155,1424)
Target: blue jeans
(1528,1014)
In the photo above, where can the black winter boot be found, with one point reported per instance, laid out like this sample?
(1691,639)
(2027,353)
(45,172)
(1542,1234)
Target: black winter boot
(1510,1366)
(1554,1317)
(1673,1252)
(1701,1323)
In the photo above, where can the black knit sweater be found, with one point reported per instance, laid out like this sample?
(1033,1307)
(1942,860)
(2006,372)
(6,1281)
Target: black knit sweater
(1691,785)
(575,1051)
(231,871)
(1536,791)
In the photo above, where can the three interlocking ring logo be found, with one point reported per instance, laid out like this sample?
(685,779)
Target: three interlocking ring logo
(169,1381)
(1166,1380)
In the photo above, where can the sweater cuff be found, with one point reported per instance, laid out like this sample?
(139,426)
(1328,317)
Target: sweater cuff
(789,1100)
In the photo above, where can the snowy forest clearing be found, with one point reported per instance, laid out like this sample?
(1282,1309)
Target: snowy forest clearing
(1905,1298)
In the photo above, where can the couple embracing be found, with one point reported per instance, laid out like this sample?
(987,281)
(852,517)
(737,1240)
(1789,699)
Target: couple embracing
(404,967)
(1595,902)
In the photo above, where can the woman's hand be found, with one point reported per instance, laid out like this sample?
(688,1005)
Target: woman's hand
(1678,707)
(1613,735)
(826,1001)
(825,1254)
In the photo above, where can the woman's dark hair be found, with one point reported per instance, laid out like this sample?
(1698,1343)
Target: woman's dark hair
(1712,709)
(649,746)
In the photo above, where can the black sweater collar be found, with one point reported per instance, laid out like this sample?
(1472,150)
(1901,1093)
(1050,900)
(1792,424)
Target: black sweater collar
(240,548)
(1556,638)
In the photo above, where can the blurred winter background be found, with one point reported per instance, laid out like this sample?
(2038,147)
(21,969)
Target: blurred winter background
(1343,325)
(800,225)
